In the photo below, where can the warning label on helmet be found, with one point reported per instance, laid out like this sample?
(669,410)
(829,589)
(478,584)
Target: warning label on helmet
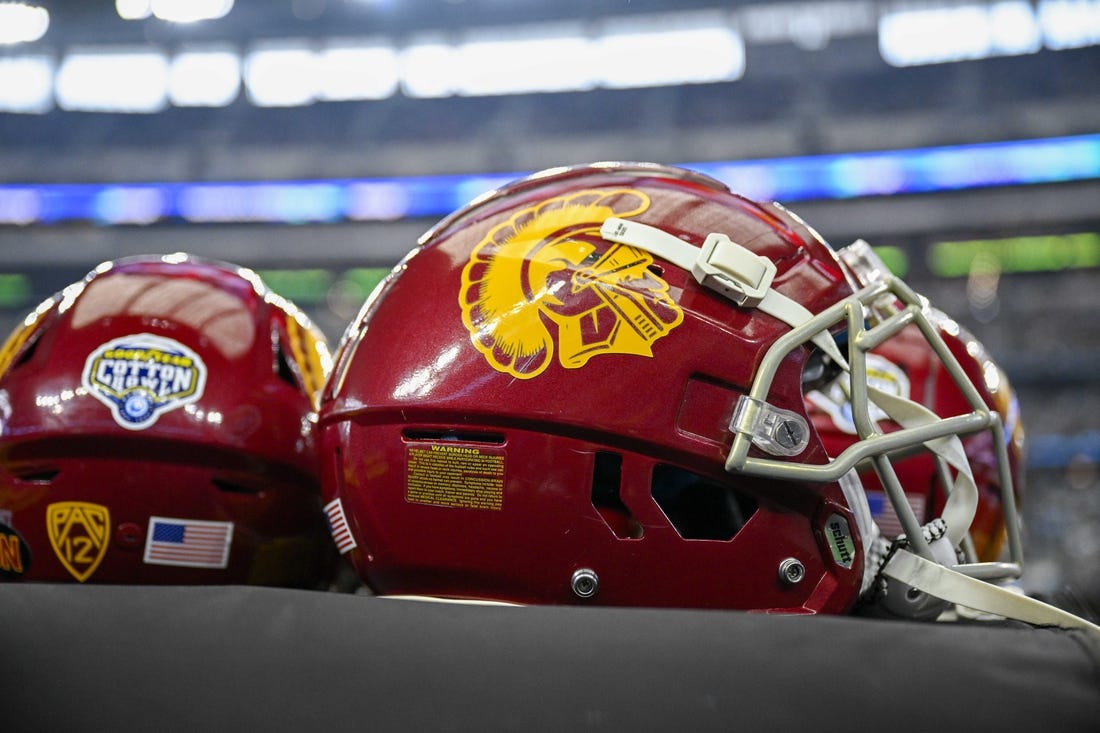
(446,474)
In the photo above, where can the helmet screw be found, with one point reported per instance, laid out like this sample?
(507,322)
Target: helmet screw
(789,433)
(791,571)
(585,583)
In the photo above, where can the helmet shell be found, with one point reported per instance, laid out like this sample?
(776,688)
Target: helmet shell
(526,412)
(156,427)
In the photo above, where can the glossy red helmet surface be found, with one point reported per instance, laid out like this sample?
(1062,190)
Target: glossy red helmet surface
(527,412)
(156,427)
(907,366)
(589,386)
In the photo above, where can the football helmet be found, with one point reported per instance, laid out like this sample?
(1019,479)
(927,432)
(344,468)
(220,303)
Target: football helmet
(589,387)
(156,426)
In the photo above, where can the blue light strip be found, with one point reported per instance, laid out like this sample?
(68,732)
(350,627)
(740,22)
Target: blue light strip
(851,175)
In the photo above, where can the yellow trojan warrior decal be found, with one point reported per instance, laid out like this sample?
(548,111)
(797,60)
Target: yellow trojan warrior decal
(548,265)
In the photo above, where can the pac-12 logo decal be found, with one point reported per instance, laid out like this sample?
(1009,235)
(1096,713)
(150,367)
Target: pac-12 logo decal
(546,265)
(79,533)
(143,376)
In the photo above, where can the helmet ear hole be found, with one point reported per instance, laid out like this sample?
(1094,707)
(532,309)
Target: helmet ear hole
(818,371)
(698,508)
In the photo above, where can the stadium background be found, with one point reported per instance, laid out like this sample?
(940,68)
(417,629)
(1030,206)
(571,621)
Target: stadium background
(960,138)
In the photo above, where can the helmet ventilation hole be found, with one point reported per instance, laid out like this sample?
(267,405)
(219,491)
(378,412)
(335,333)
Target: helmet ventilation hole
(38,475)
(607,469)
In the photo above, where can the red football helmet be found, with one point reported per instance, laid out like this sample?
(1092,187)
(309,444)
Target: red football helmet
(588,386)
(908,367)
(156,426)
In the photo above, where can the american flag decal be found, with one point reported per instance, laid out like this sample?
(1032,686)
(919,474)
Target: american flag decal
(338,525)
(887,519)
(188,542)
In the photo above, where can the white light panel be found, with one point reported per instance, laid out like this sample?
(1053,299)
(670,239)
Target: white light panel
(959,33)
(547,58)
(281,76)
(204,78)
(350,71)
(427,69)
(22,23)
(1070,23)
(658,58)
(190,11)
(133,9)
(26,84)
(113,81)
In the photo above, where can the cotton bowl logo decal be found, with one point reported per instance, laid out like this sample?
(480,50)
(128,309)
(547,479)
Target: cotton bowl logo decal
(142,376)
(547,265)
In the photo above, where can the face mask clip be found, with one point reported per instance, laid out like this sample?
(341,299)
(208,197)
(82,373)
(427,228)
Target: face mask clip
(772,429)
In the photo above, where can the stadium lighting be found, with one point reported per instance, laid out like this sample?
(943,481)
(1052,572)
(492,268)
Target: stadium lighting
(356,70)
(1070,23)
(821,177)
(641,52)
(190,11)
(281,75)
(22,23)
(26,84)
(133,9)
(423,66)
(204,78)
(113,81)
(535,59)
(958,33)
(663,57)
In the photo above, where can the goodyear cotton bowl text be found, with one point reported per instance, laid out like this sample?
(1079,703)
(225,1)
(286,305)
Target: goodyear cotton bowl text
(139,377)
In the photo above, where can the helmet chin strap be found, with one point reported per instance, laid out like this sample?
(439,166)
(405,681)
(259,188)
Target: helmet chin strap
(724,266)
(963,590)
(745,278)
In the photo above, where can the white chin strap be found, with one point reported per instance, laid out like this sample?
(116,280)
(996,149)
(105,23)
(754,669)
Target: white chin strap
(723,266)
(745,278)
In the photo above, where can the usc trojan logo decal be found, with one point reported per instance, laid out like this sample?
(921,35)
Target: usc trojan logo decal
(78,533)
(547,271)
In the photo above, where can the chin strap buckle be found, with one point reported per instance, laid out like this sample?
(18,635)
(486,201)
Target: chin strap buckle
(735,271)
(721,264)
